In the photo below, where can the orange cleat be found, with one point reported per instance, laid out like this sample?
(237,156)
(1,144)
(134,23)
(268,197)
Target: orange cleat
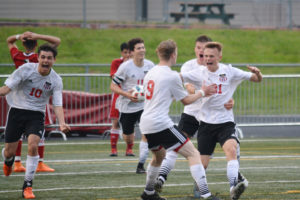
(129,152)
(18,167)
(42,167)
(114,152)
(7,169)
(27,193)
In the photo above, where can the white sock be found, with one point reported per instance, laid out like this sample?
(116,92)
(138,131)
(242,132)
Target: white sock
(168,164)
(144,151)
(152,173)
(198,173)
(232,172)
(31,165)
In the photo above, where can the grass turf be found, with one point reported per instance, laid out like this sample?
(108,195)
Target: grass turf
(85,171)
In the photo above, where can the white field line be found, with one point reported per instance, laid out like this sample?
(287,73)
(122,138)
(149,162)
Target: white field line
(131,171)
(180,158)
(47,143)
(142,186)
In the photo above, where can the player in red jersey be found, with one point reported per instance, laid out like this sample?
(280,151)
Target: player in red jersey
(29,41)
(114,113)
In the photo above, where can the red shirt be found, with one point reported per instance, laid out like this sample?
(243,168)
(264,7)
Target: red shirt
(21,58)
(115,64)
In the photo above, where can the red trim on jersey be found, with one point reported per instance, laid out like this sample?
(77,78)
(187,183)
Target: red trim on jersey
(177,149)
(20,58)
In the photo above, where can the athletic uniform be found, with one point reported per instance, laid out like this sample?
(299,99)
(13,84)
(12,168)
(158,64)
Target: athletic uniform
(188,122)
(114,113)
(216,122)
(21,58)
(127,76)
(161,86)
(30,94)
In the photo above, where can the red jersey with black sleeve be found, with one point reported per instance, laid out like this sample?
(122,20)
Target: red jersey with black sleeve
(21,58)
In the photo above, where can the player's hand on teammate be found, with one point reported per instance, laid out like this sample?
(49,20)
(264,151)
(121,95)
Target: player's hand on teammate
(65,128)
(209,89)
(229,104)
(190,88)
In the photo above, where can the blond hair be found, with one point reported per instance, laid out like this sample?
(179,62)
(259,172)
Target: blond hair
(212,45)
(165,49)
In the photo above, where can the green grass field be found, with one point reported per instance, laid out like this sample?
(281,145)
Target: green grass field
(85,171)
(102,46)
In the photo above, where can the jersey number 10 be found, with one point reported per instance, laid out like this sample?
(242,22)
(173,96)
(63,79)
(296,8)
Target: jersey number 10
(36,92)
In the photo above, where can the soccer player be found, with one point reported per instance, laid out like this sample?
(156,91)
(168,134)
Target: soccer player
(28,90)
(114,113)
(128,75)
(188,123)
(29,41)
(216,122)
(162,85)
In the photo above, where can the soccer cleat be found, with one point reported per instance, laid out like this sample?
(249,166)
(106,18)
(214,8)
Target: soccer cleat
(237,191)
(154,196)
(27,193)
(42,167)
(158,185)
(140,170)
(18,167)
(129,152)
(211,198)
(114,152)
(7,170)
(196,191)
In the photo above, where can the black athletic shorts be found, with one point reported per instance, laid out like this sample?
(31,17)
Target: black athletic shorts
(21,121)
(128,121)
(188,124)
(211,134)
(170,139)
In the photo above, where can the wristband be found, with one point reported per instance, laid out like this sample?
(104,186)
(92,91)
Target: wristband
(202,93)
(17,37)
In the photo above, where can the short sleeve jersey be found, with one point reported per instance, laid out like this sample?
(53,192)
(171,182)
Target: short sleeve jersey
(194,108)
(127,76)
(161,86)
(115,64)
(21,58)
(227,78)
(31,90)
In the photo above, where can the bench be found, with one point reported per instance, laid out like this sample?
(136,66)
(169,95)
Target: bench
(211,11)
(203,16)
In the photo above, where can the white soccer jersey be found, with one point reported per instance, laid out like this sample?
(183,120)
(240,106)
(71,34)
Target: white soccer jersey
(127,76)
(31,90)
(161,86)
(227,78)
(194,108)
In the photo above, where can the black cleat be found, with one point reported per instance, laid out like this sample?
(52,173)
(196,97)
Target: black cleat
(140,170)
(154,196)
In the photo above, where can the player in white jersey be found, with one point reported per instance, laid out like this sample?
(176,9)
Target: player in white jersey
(128,75)
(162,85)
(188,122)
(28,90)
(216,122)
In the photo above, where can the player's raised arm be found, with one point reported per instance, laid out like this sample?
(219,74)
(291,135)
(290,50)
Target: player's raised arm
(257,75)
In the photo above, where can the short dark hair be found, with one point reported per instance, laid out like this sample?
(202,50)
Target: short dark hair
(29,44)
(47,47)
(133,42)
(123,46)
(203,38)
